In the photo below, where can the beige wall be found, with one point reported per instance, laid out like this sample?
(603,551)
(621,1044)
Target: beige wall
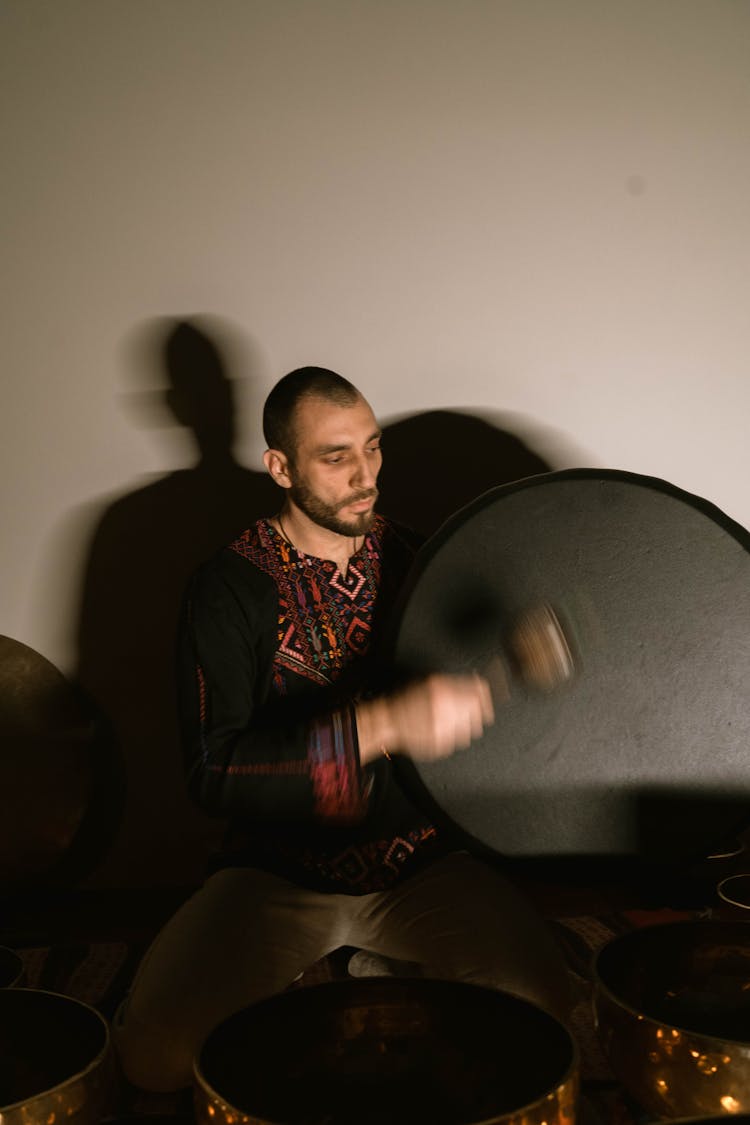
(532,209)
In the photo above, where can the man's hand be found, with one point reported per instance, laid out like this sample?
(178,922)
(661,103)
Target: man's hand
(428,719)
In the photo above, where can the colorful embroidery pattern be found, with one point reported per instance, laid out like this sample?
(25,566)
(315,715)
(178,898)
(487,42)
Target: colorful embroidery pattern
(374,866)
(324,624)
(325,620)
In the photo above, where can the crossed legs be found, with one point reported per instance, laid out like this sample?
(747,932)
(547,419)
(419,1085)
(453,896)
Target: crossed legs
(247,934)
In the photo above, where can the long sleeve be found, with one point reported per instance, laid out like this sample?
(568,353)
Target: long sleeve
(251,752)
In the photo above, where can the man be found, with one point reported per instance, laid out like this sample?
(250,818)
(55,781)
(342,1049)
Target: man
(287,735)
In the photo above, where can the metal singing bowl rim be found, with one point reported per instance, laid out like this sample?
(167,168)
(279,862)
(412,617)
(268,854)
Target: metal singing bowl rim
(735,890)
(94,1064)
(561,1080)
(736,928)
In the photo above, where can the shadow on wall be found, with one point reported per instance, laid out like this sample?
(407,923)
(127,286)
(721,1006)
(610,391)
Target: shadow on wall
(437,462)
(148,543)
(143,551)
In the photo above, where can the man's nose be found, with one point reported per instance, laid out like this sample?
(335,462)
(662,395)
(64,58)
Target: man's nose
(365,473)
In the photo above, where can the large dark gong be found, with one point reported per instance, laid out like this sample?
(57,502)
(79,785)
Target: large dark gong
(646,751)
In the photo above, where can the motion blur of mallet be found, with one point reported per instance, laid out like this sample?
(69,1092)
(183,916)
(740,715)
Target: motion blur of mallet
(540,649)
(539,653)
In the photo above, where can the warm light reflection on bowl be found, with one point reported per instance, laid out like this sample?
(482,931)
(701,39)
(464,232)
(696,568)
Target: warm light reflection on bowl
(672,1008)
(55,1060)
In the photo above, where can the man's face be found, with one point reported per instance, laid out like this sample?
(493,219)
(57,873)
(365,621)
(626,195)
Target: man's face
(335,465)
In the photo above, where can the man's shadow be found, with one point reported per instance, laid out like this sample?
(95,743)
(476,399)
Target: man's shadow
(142,553)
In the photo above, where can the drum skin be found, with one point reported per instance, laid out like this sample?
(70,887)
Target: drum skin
(644,752)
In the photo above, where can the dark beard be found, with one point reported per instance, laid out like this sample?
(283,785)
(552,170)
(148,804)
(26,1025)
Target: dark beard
(327,515)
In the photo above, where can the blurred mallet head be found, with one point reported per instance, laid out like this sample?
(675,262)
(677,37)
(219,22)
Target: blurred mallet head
(540,648)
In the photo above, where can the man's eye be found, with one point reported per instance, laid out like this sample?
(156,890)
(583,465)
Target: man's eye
(334,460)
(373,449)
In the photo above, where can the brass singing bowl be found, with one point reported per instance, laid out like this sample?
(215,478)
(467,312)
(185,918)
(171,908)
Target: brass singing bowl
(672,1008)
(56,1064)
(400,1051)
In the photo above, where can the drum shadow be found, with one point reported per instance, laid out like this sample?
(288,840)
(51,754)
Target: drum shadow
(142,552)
(667,835)
(436,462)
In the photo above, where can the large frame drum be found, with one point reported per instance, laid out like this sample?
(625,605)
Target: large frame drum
(645,751)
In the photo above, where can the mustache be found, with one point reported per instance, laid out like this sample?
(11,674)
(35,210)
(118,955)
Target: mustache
(355,498)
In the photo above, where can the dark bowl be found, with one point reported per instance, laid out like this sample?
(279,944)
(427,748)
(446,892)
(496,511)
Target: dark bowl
(398,1051)
(672,1007)
(55,1059)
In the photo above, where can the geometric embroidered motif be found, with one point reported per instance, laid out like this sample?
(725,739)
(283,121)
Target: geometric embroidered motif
(376,863)
(350,586)
(325,619)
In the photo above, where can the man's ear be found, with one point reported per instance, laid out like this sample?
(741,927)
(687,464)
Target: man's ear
(278,467)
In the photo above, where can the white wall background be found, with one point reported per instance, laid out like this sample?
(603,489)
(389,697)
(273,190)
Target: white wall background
(533,207)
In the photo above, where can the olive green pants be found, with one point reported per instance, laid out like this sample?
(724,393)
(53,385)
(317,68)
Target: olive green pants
(246,935)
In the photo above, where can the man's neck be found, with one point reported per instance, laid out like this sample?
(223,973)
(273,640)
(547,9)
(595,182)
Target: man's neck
(312,539)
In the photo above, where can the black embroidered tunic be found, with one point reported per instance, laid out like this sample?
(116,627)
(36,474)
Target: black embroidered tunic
(275,646)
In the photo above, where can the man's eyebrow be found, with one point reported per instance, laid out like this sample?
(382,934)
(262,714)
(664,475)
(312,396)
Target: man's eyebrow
(324,450)
(321,450)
